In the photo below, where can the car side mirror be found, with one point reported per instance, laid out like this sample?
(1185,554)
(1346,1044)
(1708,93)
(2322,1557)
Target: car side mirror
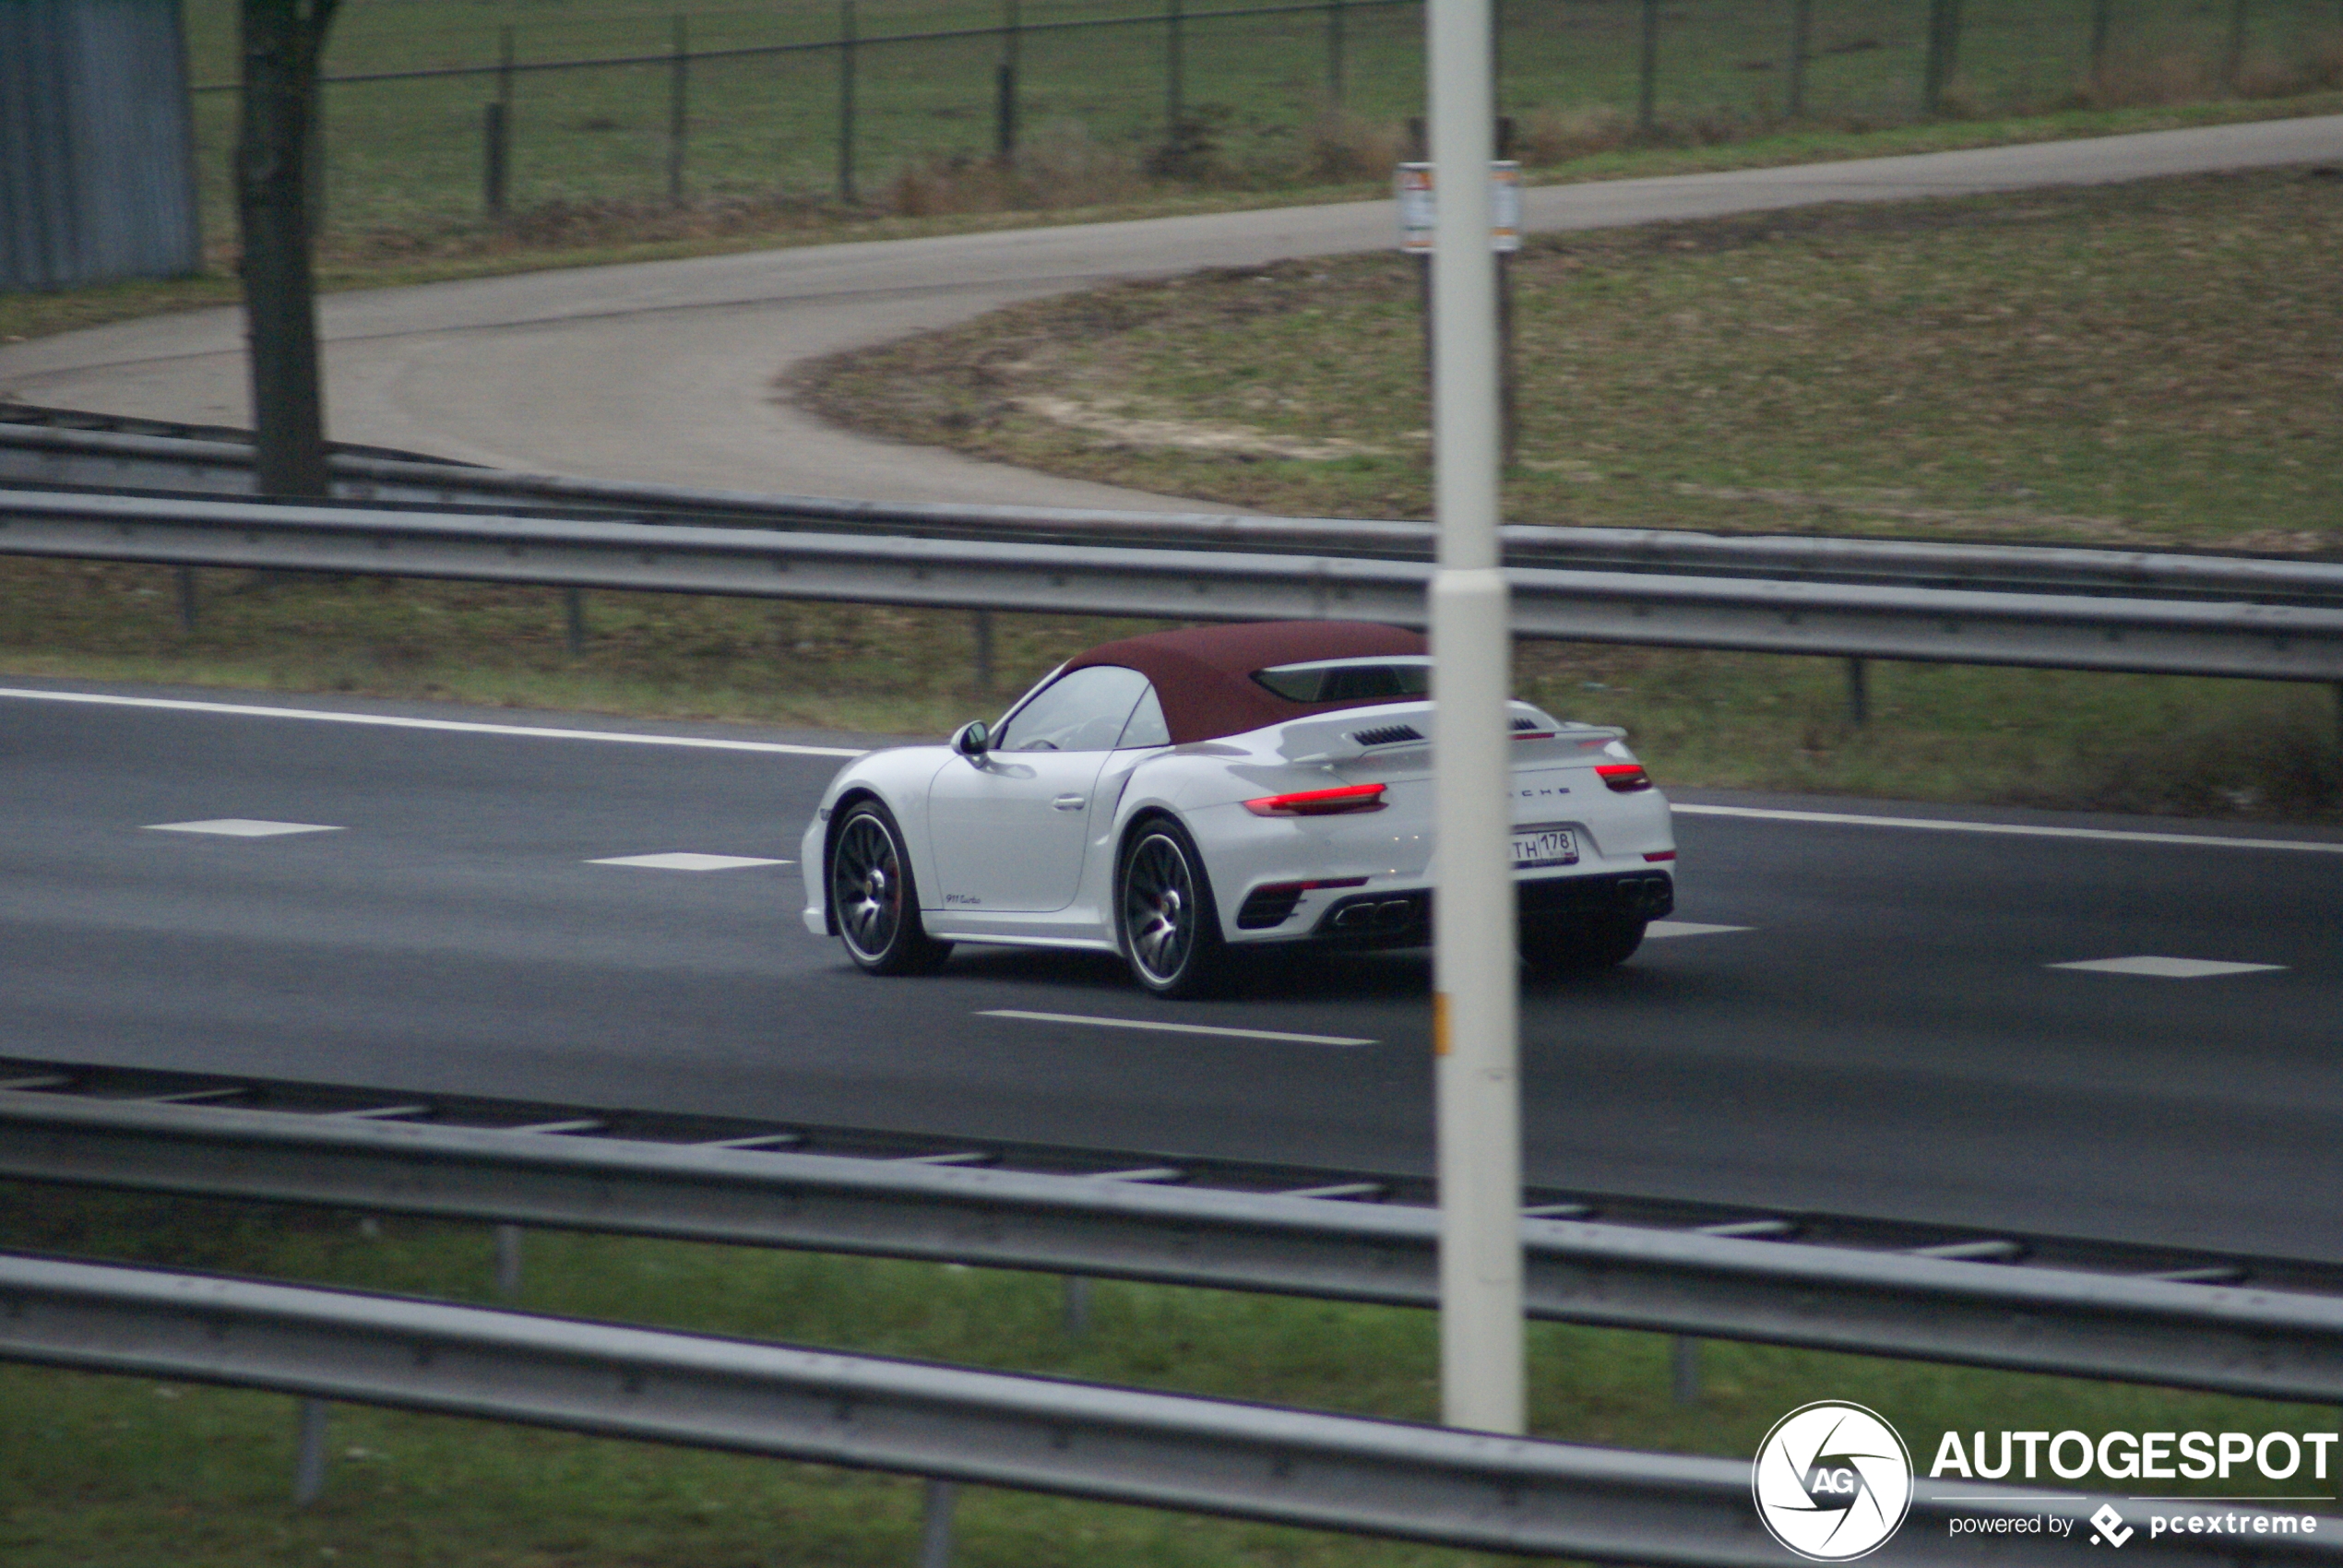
(972,740)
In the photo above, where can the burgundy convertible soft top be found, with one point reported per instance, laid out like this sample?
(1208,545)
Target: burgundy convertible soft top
(1204,675)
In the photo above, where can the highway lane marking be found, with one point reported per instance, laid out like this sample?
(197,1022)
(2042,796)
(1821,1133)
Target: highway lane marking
(1688,927)
(2167,969)
(1170,1028)
(687,862)
(455,726)
(240,827)
(2018,829)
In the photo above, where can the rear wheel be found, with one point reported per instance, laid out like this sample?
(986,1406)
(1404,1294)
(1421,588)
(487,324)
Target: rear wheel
(1170,928)
(1573,944)
(873,895)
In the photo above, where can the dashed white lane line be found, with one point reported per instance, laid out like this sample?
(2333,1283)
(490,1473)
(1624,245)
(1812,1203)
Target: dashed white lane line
(456,726)
(1688,927)
(688,861)
(1170,1028)
(2014,829)
(240,827)
(2167,969)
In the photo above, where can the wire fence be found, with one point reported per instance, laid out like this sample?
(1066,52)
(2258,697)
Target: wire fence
(816,103)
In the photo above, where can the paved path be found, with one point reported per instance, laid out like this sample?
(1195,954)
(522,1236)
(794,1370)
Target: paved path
(665,371)
(1871,1022)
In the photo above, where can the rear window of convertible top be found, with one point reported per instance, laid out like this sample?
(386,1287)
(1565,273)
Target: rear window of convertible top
(1349,680)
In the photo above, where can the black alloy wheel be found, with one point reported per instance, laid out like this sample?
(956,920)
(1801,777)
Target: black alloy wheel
(871,895)
(1171,929)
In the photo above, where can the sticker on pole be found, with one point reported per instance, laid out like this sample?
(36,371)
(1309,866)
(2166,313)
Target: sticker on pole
(1833,1481)
(1418,213)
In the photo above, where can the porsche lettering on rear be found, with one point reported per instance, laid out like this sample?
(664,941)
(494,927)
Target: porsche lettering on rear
(1189,796)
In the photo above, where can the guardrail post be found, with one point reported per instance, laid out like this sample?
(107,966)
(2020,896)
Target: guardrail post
(309,1454)
(935,1523)
(983,629)
(679,86)
(1683,1365)
(1648,71)
(1857,691)
(189,605)
(1801,50)
(509,1259)
(1078,1304)
(574,619)
(846,100)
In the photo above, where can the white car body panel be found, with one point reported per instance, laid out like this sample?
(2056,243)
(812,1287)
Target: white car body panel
(995,859)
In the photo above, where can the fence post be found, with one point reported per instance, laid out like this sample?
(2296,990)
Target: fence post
(1174,74)
(846,100)
(1004,98)
(1334,55)
(497,126)
(2101,14)
(1802,49)
(678,111)
(1944,47)
(1647,70)
(2233,65)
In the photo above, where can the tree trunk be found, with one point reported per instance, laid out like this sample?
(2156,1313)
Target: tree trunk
(282,41)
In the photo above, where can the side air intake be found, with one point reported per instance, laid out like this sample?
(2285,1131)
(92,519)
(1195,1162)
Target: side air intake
(1386,734)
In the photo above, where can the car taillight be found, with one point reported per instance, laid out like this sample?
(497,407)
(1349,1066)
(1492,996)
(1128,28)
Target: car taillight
(1320,802)
(1626,778)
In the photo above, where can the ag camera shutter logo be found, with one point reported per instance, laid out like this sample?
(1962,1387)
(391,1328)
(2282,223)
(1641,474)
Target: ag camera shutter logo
(1833,1481)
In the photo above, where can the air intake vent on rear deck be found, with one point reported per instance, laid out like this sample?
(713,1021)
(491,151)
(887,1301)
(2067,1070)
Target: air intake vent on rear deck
(1386,734)
(1525,724)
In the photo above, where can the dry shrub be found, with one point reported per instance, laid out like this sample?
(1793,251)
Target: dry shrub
(563,224)
(2144,81)
(1557,136)
(1344,147)
(2291,767)
(1061,166)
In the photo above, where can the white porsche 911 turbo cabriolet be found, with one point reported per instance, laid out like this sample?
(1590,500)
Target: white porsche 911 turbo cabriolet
(1180,797)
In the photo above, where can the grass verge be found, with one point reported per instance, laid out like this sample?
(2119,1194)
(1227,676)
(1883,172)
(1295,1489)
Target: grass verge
(130,1472)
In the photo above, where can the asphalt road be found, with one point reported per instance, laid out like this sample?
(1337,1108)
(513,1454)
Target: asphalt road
(1887,1036)
(666,371)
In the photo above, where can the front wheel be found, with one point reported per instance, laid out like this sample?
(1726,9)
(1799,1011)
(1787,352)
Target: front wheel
(873,895)
(1171,931)
(1580,945)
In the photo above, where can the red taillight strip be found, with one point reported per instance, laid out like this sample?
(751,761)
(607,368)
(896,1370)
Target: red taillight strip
(1533,734)
(1624,777)
(1320,802)
(1660,855)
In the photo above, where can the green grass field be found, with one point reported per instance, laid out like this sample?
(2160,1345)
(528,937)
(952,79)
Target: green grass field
(406,155)
(131,1473)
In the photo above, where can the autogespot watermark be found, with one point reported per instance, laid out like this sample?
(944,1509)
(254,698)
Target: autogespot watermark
(1833,1481)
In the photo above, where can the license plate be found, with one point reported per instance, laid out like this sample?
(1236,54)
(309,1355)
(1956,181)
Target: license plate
(1544,846)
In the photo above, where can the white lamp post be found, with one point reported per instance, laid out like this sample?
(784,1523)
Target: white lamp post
(1476,1022)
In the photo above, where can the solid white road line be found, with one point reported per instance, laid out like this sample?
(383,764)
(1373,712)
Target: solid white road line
(1687,928)
(687,862)
(2016,829)
(240,827)
(1170,1028)
(460,727)
(2167,969)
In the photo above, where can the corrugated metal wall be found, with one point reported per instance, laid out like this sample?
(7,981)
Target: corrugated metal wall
(97,166)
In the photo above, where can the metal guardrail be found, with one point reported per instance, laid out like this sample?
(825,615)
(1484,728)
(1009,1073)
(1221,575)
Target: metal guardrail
(161,456)
(1935,1303)
(2065,631)
(1348,1473)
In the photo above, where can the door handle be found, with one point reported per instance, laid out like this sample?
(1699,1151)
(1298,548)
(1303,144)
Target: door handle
(1069,803)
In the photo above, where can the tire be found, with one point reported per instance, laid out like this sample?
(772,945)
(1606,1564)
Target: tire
(1165,917)
(873,898)
(1580,945)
